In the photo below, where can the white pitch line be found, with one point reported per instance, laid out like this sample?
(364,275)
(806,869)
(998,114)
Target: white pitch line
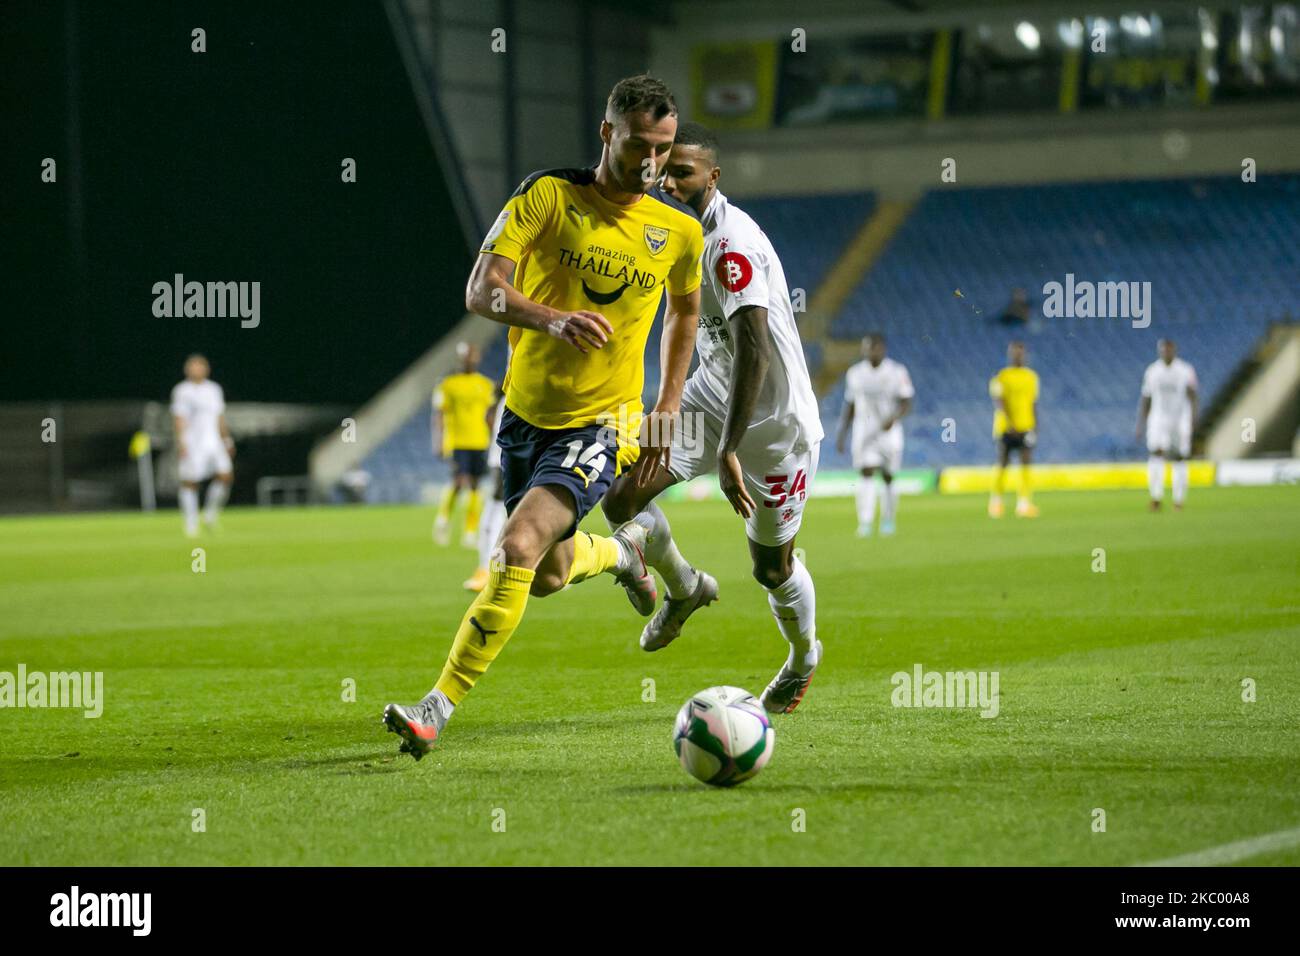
(1232,852)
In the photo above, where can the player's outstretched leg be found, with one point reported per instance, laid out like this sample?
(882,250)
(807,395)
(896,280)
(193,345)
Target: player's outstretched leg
(793,600)
(688,589)
(535,528)
(622,554)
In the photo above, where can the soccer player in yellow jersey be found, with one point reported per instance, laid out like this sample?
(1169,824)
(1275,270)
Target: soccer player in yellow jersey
(463,409)
(1015,420)
(593,252)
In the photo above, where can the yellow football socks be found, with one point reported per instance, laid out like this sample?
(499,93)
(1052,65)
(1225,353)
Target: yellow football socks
(473,508)
(1026,486)
(592,555)
(999,479)
(445,504)
(484,630)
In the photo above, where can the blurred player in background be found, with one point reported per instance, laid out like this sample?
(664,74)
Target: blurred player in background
(575,240)
(877,394)
(203,444)
(462,422)
(1167,414)
(749,414)
(1015,421)
(494,512)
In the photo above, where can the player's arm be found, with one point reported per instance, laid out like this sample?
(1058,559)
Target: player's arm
(1144,409)
(681,321)
(753,357)
(490,294)
(1193,397)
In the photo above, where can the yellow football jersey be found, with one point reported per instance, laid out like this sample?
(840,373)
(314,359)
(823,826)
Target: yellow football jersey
(464,400)
(1018,388)
(574,249)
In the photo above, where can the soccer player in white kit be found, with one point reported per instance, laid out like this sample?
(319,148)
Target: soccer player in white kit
(877,394)
(1167,415)
(748,412)
(203,443)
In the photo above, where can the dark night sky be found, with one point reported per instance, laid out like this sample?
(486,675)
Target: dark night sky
(222,165)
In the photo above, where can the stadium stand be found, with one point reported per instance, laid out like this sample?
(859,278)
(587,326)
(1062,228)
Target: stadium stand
(1220,254)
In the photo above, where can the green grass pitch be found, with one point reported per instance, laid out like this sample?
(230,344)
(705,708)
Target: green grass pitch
(1119,690)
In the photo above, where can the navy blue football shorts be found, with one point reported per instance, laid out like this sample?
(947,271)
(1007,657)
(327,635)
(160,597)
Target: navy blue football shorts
(582,459)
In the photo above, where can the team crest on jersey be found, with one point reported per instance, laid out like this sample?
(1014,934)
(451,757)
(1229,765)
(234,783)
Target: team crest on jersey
(656,237)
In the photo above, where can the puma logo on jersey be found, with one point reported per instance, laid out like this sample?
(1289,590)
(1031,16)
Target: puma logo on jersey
(578,216)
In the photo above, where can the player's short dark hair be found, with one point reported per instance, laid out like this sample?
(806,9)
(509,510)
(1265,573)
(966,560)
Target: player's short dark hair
(876,337)
(640,94)
(697,134)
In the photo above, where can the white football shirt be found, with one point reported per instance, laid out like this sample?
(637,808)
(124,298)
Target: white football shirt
(742,269)
(876,392)
(1166,386)
(200,404)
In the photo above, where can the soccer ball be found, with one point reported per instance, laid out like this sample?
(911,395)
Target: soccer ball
(723,736)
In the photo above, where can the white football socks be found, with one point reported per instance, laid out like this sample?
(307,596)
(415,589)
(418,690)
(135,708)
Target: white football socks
(1156,477)
(794,605)
(888,503)
(866,497)
(661,553)
(1180,481)
(489,530)
(216,497)
(190,509)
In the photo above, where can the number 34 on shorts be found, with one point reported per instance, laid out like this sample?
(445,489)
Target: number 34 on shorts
(778,493)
